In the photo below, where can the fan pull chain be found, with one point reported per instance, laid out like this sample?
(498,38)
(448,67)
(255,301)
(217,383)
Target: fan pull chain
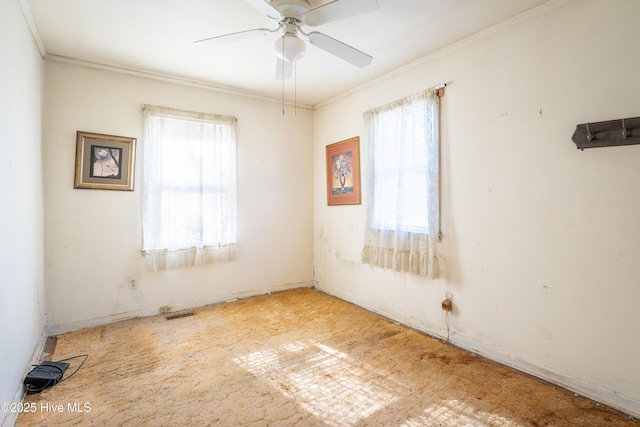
(282,77)
(283,92)
(295,89)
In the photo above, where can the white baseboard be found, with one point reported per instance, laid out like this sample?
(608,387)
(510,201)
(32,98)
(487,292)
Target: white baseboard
(11,417)
(152,311)
(610,398)
(599,394)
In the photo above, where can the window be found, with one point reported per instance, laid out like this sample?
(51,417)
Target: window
(189,209)
(403,185)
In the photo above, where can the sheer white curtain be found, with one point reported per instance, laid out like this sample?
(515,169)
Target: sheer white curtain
(403,185)
(189,202)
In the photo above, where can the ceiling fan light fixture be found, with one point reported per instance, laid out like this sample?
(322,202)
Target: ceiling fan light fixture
(290,47)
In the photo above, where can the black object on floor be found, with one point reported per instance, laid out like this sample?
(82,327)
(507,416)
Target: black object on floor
(44,375)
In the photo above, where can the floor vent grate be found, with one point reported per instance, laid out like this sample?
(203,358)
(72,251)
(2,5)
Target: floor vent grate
(179,315)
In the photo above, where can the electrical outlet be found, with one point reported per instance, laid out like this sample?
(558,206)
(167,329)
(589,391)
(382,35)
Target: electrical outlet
(165,309)
(133,283)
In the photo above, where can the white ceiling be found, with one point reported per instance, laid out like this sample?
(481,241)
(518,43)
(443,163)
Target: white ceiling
(156,36)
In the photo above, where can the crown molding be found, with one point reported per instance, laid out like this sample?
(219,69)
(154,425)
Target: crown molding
(482,35)
(169,78)
(26,11)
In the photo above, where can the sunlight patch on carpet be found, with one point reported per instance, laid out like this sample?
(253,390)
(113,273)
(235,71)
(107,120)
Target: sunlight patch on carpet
(323,380)
(454,413)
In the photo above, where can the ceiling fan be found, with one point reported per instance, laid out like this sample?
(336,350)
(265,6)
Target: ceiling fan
(291,15)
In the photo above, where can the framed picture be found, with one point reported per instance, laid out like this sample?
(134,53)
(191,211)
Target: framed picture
(343,172)
(104,162)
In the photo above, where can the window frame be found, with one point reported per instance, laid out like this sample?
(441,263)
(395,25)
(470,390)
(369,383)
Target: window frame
(212,139)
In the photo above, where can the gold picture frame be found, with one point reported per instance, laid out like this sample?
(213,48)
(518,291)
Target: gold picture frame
(343,172)
(104,162)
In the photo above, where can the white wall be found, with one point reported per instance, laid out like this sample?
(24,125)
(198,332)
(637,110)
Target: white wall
(541,240)
(21,209)
(93,237)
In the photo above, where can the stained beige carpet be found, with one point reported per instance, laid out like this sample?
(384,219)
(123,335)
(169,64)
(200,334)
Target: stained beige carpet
(294,358)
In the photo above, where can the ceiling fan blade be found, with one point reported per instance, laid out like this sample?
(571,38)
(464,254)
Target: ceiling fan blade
(283,69)
(228,38)
(338,9)
(266,8)
(339,49)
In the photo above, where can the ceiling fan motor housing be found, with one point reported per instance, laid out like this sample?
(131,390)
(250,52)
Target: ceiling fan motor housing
(292,8)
